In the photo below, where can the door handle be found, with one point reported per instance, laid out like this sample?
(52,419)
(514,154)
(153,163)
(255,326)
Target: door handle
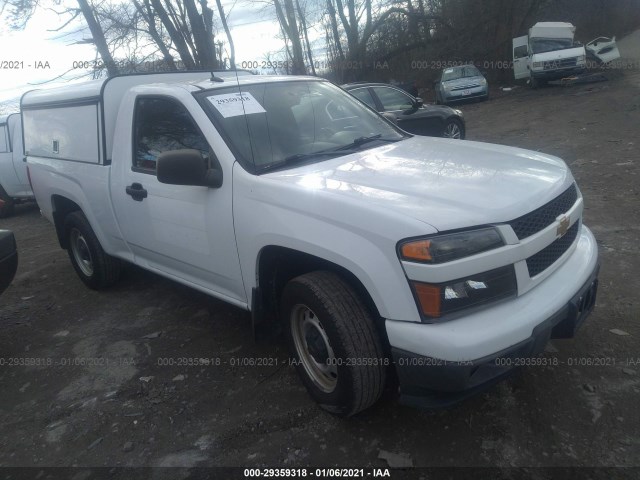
(136,191)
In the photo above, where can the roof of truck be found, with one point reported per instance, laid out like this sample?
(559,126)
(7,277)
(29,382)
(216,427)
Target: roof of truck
(553,24)
(5,118)
(552,30)
(92,91)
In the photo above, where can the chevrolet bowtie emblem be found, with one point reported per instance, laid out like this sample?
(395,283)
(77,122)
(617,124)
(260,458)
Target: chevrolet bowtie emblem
(563,227)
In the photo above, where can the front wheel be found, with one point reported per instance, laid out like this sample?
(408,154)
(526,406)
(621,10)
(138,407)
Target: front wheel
(453,128)
(94,267)
(332,337)
(6,204)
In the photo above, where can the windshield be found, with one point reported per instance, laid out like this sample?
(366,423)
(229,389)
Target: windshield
(276,124)
(541,45)
(460,72)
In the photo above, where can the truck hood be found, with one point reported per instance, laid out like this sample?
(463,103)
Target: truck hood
(447,184)
(558,54)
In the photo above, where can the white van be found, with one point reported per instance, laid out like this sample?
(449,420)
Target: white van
(14,181)
(549,52)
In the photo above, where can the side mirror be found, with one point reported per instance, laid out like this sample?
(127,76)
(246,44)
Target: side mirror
(418,102)
(187,167)
(391,117)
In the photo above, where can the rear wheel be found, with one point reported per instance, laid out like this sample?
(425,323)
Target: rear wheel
(94,267)
(453,128)
(332,337)
(6,204)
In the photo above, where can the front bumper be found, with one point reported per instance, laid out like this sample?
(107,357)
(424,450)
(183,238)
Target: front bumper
(476,92)
(430,382)
(550,75)
(439,364)
(8,258)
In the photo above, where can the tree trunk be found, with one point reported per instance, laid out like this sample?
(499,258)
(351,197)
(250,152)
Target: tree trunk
(306,36)
(175,35)
(149,17)
(203,41)
(232,60)
(98,38)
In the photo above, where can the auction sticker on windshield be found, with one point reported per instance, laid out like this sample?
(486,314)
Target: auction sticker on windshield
(234,104)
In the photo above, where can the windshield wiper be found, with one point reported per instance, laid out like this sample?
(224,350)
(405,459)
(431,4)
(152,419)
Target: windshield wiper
(299,158)
(362,140)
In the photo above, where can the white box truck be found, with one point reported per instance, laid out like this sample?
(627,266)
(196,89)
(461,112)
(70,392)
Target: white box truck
(548,52)
(14,184)
(449,262)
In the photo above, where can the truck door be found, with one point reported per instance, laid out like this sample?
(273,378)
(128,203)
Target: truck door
(521,57)
(182,231)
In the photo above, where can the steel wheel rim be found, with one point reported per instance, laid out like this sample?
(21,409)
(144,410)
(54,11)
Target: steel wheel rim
(81,252)
(313,348)
(452,131)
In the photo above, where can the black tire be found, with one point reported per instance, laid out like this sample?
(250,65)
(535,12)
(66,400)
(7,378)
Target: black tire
(450,126)
(94,267)
(6,204)
(358,361)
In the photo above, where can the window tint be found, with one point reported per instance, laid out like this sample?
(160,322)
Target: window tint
(393,99)
(521,51)
(365,95)
(163,125)
(4,146)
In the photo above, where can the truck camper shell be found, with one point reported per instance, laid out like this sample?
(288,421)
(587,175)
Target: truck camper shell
(52,118)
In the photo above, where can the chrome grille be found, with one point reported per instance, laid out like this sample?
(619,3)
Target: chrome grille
(561,63)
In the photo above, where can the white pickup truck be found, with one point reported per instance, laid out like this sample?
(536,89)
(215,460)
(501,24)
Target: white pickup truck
(14,184)
(373,249)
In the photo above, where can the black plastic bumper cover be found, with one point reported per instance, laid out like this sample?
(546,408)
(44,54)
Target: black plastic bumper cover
(431,382)
(8,258)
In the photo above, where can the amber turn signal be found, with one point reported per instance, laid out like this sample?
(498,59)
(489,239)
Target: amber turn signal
(429,298)
(417,251)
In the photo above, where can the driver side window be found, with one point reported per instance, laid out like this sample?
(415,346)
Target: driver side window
(161,125)
(521,51)
(392,99)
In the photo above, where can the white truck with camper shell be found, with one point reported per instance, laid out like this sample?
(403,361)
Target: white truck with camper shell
(372,249)
(14,184)
(548,52)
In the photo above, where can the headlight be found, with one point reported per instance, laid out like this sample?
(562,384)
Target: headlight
(458,112)
(538,64)
(446,87)
(439,300)
(451,246)
(581,58)
(483,81)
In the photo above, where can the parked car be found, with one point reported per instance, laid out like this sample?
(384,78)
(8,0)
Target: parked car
(375,250)
(410,113)
(8,258)
(461,83)
(14,182)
